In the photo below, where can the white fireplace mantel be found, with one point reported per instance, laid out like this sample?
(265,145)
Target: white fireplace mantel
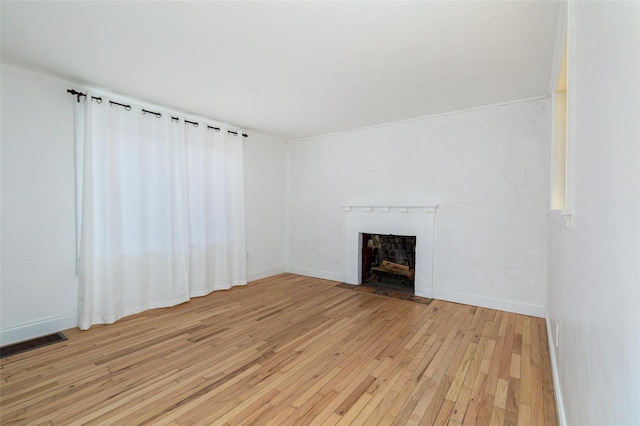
(410,220)
(401,209)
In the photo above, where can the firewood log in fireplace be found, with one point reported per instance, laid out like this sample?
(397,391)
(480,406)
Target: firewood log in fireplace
(394,267)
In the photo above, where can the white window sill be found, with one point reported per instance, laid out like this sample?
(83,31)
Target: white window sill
(561,218)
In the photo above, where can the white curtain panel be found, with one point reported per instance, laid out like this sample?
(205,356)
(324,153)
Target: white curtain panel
(160,208)
(216,210)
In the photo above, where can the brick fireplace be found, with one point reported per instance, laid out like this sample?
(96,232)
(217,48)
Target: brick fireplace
(412,221)
(389,260)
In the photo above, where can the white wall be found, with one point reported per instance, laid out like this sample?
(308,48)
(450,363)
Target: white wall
(594,268)
(38,287)
(38,290)
(487,168)
(265,173)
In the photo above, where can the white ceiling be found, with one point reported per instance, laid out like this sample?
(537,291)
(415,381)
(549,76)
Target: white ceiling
(292,69)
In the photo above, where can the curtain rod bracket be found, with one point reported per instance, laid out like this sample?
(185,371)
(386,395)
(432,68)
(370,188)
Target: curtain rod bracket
(76,93)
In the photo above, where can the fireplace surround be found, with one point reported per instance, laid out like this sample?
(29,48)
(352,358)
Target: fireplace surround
(418,221)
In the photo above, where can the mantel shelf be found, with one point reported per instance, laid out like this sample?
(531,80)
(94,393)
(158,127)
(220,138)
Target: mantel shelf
(389,208)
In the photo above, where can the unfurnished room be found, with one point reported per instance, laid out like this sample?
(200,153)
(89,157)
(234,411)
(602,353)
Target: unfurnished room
(320,212)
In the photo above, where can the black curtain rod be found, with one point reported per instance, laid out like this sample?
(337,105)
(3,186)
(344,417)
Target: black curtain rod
(126,107)
(78,95)
(157,114)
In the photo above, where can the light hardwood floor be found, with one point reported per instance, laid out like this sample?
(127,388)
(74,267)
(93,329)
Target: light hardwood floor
(290,350)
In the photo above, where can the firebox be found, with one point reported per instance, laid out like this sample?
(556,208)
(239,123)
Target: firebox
(389,260)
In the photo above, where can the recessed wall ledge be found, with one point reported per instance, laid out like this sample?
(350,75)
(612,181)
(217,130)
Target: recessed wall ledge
(387,209)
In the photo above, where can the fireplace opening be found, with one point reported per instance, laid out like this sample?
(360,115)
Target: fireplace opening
(389,261)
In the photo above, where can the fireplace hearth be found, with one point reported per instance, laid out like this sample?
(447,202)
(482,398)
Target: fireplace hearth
(389,261)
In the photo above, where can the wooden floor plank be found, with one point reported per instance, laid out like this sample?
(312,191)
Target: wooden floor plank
(290,349)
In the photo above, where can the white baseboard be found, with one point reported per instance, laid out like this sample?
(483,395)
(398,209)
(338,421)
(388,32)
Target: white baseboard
(35,329)
(562,419)
(257,275)
(490,302)
(451,296)
(316,273)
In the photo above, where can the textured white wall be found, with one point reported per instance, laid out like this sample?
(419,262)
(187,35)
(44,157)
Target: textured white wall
(38,290)
(594,267)
(487,168)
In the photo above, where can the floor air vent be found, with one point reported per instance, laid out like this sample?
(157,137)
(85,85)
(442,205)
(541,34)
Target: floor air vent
(28,345)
